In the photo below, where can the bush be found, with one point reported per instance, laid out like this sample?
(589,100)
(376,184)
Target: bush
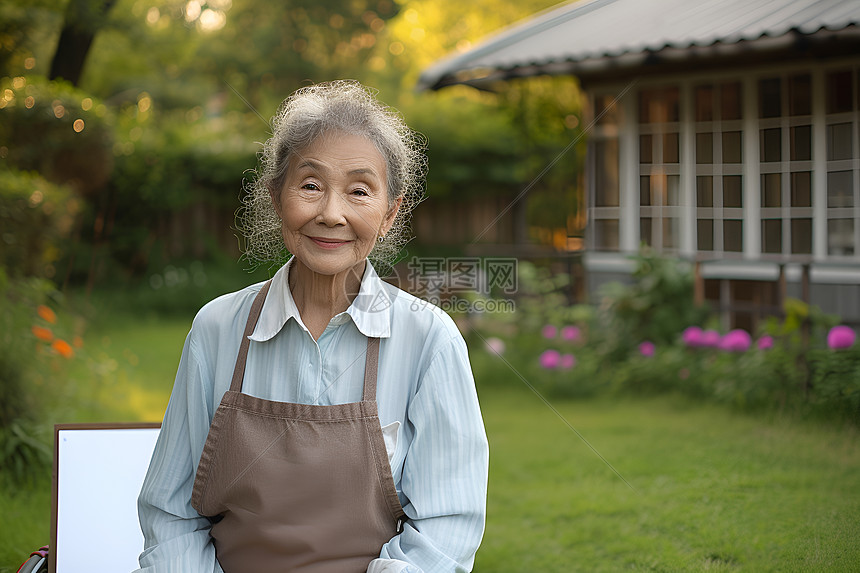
(835,378)
(57,130)
(37,219)
(578,351)
(26,343)
(657,306)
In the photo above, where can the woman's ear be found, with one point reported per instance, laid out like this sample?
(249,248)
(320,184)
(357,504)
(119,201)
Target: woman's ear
(276,202)
(391,215)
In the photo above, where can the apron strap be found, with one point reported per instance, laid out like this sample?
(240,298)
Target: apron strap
(371,365)
(253,317)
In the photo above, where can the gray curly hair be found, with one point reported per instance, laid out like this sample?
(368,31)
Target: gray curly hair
(345,106)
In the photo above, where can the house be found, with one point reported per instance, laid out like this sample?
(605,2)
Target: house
(725,132)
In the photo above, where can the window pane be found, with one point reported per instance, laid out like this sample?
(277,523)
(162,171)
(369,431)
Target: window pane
(839,141)
(840,237)
(603,102)
(673,190)
(670,232)
(646,105)
(645,229)
(730,101)
(645,190)
(770,101)
(731,147)
(733,235)
(771,145)
(839,88)
(606,173)
(645,148)
(771,235)
(840,189)
(705,234)
(704,148)
(801,189)
(606,234)
(705,191)
(800,95)
(670,148)
(771,190)
(801,236)
(673,112)
(801,143)
(704,103)
(658,105)
(732,192)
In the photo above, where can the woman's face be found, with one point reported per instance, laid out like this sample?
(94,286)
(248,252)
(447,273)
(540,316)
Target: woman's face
(334,203)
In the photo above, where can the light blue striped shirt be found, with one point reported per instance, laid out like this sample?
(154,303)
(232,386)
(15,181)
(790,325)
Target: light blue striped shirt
(440,460)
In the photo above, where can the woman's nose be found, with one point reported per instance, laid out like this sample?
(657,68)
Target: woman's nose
(331,211)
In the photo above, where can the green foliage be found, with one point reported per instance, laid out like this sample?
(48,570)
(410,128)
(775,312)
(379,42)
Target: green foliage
(44,371)
(57,130)
(37,218)
(24,450)
(21,22)
(22,362)
(658,304)
(546,112)
(792,374)
(799,315)
(20,299)
(835,376)
(177,288)
(466,163)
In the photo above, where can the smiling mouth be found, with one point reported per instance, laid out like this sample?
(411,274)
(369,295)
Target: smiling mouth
(328,243)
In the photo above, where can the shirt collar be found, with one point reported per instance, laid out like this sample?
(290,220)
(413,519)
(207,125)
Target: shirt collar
(370,311)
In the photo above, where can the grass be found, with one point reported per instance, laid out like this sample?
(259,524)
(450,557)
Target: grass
(711,490)
(714,491)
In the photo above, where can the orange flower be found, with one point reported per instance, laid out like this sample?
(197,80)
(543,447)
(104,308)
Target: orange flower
(46,314)
(43,333)
(63,349)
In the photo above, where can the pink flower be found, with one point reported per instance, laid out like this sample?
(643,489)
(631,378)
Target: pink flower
(765,342)
(710,339)
(549,331)
(567,361)
(571,333)
(550,359)
(692,336)
(647,349)
(736,341)
(841,337)
(495,345)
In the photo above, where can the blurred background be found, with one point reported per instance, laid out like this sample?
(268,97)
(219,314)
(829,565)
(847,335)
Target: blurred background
(674,187)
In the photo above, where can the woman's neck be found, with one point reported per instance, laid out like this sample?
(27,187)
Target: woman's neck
(321,297)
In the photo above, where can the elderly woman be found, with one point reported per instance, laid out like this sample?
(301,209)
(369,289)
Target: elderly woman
(322,421)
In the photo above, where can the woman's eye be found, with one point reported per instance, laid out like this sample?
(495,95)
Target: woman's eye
(311,186)
(360,192)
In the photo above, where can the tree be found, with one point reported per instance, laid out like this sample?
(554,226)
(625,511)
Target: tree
(82,20)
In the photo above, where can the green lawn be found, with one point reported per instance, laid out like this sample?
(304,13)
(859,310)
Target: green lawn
(714,490)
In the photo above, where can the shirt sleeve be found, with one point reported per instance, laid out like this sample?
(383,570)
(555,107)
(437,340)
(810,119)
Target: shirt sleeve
(445,470)
(176,537)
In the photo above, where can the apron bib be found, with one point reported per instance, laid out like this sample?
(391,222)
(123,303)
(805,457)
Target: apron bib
(296,487)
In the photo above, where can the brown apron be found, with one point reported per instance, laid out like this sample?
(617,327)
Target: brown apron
(298,487)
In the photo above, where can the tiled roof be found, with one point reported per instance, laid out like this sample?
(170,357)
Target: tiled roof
(603,30)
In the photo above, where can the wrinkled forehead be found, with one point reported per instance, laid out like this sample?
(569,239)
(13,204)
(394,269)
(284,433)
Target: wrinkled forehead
(341,146)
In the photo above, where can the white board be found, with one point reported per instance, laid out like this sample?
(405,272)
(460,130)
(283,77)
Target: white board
(98,472)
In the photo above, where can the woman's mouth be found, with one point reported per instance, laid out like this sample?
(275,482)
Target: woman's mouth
(324,243)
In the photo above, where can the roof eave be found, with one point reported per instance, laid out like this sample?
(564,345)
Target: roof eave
(668,59)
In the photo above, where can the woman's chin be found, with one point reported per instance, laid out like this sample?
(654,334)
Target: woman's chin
(330,264)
